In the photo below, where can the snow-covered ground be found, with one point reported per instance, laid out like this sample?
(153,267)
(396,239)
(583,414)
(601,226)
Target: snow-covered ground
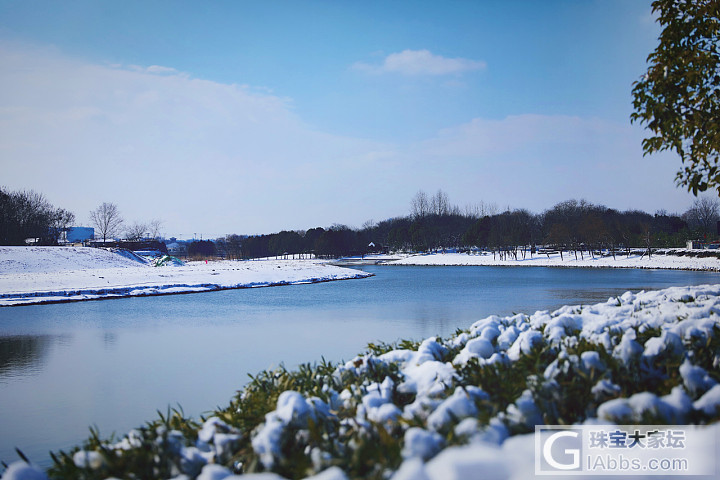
(31,275)
(656,260)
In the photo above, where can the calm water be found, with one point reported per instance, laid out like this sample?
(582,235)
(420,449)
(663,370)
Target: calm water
(114,363)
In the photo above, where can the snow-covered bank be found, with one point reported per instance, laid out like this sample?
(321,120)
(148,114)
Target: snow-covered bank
(657,260)
(30,275)
(462,407)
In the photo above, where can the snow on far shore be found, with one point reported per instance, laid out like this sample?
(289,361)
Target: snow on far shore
(56,259)
(656,260)
(30,275)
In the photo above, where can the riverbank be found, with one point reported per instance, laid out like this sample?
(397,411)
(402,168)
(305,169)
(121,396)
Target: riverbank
(674,259)
(465,406)
(33,275)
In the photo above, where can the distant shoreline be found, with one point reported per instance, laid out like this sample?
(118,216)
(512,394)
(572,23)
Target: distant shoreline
(48,275)
(45,275)
(666,259)
(105,295)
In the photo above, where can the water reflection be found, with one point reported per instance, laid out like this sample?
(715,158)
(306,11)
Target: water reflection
(24,355)
(588,296)
(109,339)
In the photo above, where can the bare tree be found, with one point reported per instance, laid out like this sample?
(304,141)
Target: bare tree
(480,210)
(154,227)
(136,231)
(369,225)
(107,220)
(28,214)
(439,204)
(703,214)
(60,222)
(420,205)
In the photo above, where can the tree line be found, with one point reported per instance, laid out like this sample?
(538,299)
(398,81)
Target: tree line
(109,223)
(434,224)
(335,241)
(26,214)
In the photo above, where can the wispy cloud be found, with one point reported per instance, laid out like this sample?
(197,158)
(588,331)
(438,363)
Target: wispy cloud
(156,69)
(218,158)
(421,62)
(202,155)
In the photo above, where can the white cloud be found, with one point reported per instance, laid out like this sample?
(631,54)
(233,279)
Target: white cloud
(213,158)
(156,69)
(421,62)
(201,155)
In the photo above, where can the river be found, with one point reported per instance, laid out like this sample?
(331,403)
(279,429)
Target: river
(115,363)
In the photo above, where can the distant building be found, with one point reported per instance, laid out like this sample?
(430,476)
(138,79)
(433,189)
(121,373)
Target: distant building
(697,244)
(79,234)
(177,249)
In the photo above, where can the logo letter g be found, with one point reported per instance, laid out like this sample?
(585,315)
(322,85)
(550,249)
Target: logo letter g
(574,452)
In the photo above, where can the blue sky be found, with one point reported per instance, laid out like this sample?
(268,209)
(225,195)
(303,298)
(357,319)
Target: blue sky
(250,117)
